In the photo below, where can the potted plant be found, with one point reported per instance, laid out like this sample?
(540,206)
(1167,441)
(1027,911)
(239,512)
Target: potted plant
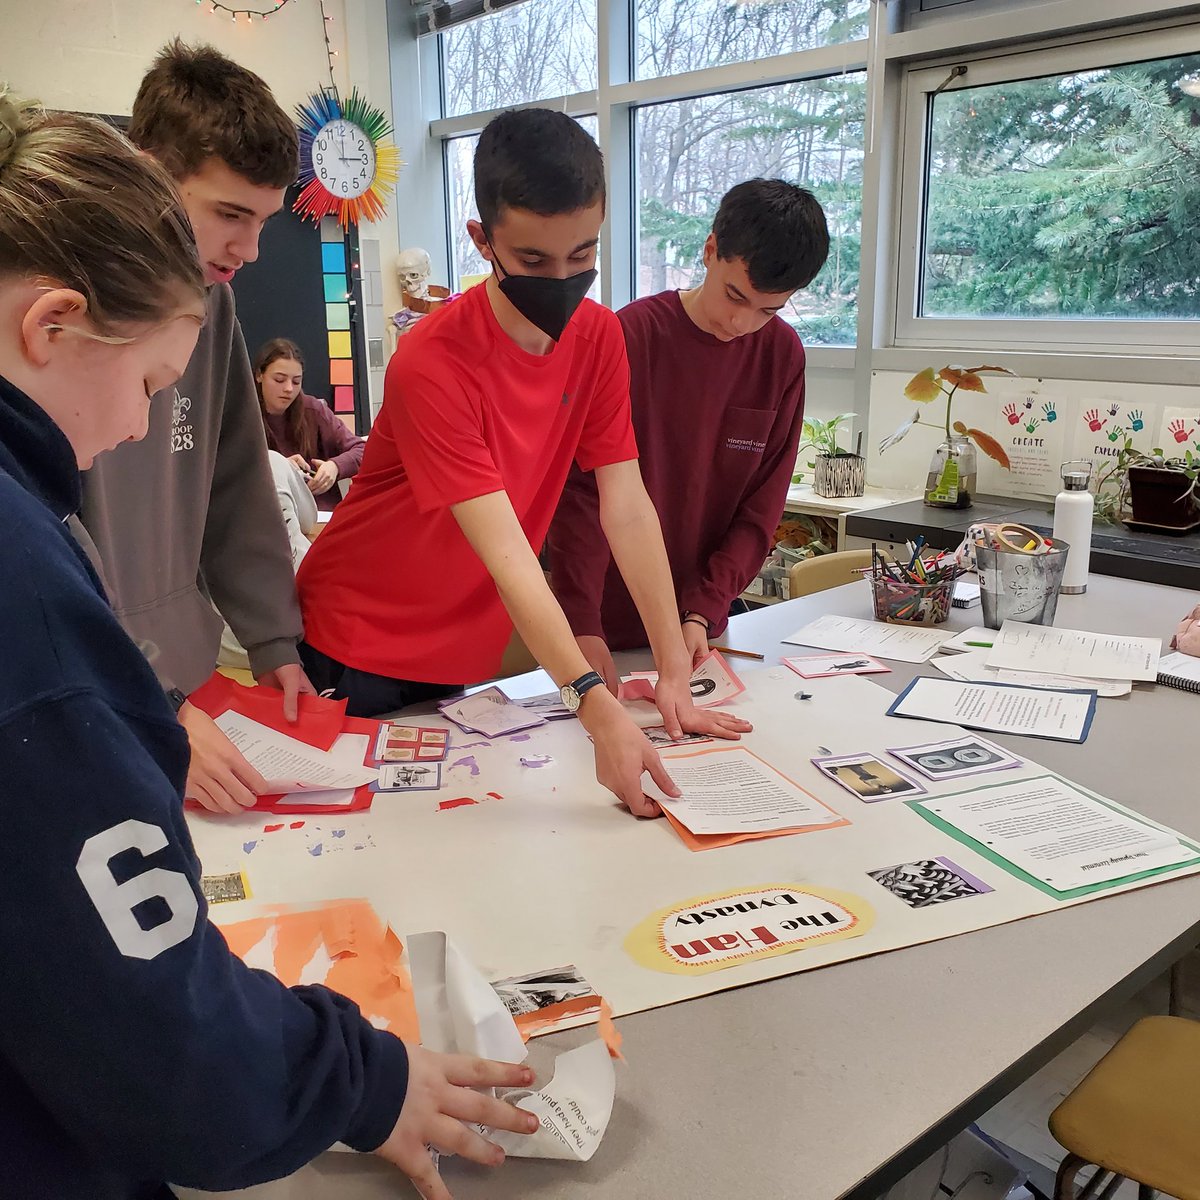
(836,472)
(1150,491)
(952,471)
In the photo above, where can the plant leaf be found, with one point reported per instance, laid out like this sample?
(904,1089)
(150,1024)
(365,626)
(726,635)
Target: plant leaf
(959,427)
(923,387)
(989,446)
(892,438)
(962,378)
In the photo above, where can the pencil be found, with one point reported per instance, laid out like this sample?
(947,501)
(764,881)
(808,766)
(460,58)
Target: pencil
(737,653)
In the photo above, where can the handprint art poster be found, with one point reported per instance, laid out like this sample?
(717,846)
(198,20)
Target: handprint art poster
(1100,429)
(1179,432)
(1031,426)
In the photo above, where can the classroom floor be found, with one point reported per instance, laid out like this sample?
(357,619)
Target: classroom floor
(1019,1121)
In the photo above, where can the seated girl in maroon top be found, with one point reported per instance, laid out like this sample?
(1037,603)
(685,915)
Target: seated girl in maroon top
(301,427)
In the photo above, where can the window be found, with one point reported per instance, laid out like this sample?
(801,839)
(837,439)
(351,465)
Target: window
(534,51)
(690,152)
(1057,206)
(460,158)
(688,35)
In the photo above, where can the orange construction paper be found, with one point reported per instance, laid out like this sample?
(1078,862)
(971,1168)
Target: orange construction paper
(608,1032)
(545,1020)
(366,957)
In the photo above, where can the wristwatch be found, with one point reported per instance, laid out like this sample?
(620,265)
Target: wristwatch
(572,693)
(177,699)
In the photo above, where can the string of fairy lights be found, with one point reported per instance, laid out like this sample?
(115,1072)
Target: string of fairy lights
(236,12)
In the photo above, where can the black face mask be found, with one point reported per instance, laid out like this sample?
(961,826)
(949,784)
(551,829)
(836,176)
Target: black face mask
(547,303)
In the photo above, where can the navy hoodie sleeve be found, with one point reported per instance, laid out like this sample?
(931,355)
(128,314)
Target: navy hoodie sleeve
(122,1006)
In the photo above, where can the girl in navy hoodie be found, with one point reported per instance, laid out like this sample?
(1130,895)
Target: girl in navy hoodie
(134,1048)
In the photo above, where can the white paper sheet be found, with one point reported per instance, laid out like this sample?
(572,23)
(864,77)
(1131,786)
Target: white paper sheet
(1059,834)
(289,765)
(460,1013)
(999,708)
(1022,647)
(972,667)
(731,790)
(903,643)
(574,1108)
(491,713)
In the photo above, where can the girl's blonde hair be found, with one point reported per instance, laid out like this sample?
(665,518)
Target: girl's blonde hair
(81,208)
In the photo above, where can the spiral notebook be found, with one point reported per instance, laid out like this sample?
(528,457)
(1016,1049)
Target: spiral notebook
(1180,671)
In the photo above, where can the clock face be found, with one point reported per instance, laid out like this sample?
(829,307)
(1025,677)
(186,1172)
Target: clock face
(343,159)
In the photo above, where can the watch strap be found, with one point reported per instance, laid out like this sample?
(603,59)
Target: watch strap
(585,683)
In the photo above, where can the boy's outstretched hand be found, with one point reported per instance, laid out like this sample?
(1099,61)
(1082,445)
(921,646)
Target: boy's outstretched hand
(439,1100)
(673,697)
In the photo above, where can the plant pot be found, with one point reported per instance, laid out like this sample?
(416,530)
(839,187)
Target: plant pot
(839,475)
(1162,498)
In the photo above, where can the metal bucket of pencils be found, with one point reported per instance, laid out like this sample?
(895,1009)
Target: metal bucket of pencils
(1020,585)
(919,593)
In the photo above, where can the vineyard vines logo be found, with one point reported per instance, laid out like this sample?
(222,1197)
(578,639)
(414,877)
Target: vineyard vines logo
(182,437)
(754,445)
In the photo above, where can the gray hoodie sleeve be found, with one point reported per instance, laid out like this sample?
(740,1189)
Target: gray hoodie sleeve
(245,560)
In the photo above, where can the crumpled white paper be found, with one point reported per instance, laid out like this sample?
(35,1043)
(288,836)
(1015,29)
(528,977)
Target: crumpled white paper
(461,1014)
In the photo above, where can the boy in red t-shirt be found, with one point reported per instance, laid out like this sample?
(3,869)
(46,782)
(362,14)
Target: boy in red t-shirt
(716,378)
(415,586)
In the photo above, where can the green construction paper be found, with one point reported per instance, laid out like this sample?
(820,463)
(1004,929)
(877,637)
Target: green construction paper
(1005,865)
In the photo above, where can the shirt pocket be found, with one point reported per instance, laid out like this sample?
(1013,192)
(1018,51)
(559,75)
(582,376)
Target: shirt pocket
(743,440)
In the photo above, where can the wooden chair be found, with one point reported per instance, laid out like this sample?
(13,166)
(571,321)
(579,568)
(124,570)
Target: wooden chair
(1136,1116)
(826,571)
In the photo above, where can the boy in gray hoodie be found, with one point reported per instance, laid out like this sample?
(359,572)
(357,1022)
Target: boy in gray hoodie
(189,514)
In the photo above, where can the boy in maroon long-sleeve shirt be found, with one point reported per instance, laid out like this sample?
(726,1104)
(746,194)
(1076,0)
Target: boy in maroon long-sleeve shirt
(717,389)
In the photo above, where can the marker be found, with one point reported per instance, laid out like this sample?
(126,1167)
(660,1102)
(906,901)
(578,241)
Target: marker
(987,645)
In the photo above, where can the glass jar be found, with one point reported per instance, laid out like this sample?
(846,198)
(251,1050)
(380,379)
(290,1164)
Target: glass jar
(951,480)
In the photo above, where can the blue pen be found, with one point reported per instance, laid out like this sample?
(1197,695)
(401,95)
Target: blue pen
(916,550)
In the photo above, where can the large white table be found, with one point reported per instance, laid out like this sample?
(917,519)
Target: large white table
(834,1083)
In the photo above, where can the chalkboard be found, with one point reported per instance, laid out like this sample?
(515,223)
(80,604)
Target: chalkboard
(281,294)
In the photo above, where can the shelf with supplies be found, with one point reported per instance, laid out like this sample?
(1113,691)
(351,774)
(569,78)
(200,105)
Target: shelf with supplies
(809,517)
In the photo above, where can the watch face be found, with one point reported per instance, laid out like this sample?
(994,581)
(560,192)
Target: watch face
(343,159)
(569,697)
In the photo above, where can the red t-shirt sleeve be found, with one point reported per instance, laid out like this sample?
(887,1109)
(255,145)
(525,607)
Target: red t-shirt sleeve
(439,435)
(607,435)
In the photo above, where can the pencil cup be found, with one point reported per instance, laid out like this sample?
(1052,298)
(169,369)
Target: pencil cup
(910,603)
(1020,587)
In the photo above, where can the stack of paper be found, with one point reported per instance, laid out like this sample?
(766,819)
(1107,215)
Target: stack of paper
(489,712)
(714,681)
(289,765)
(903,643)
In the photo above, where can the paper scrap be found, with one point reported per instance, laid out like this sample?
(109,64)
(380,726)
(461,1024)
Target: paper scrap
(289,765)
(574,1108)
(903,643)
(1057,834)
(999,708)
(1021,647)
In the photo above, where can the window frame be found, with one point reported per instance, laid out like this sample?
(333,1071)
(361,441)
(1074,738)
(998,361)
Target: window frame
(1142,338)
(614,103)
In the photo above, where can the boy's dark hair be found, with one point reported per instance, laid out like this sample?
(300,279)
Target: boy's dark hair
(777,229)
(539,160)
(195,104)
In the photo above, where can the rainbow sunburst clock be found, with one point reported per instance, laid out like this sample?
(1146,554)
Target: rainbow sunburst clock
(348,168)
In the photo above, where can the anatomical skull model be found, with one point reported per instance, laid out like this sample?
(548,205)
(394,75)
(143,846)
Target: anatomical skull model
(414,268)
